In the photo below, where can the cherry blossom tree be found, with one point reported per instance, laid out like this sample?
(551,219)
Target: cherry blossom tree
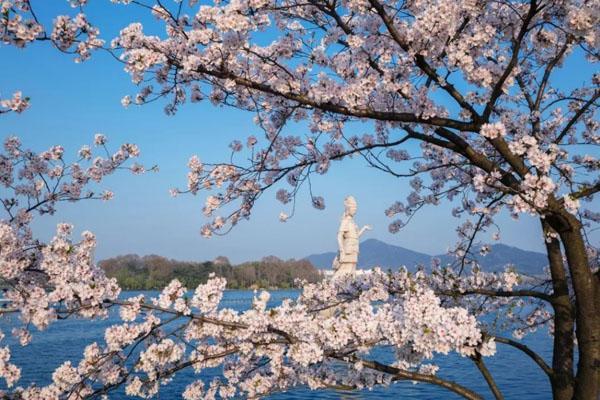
(474,82)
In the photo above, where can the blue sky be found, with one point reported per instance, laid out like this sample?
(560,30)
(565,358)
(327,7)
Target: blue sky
(71,102)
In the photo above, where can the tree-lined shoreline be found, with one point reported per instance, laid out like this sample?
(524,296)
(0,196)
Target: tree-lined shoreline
(153,272)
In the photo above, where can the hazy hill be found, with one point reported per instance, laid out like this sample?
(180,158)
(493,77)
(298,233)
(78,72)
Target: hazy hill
(374,252)
(527,262)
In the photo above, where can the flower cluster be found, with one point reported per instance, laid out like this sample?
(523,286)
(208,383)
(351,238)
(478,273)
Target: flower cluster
(348,74)
(16,26)
(17,103)
(314,340)
(67,33)
(46,281)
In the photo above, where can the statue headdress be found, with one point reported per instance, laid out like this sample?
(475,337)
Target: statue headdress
(349,201)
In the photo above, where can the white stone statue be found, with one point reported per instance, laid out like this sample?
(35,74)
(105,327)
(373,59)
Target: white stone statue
(348,239)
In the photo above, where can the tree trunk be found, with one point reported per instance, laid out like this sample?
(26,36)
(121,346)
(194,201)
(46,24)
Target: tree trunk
(564,323)
(587,316)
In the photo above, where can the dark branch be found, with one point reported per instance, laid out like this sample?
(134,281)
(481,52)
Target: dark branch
(533,355)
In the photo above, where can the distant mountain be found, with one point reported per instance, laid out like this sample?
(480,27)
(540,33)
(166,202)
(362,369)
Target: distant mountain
(374,252)
(526,262)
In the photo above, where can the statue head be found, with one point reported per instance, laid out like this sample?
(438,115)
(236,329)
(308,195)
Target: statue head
(350,206)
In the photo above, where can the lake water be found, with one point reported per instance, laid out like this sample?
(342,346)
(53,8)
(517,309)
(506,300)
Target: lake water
(517,376)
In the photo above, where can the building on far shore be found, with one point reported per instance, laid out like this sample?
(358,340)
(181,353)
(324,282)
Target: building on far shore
(329,272)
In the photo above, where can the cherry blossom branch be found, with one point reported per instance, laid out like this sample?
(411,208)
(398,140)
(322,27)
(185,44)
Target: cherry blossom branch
(478,360)
(586,192)
(337,108)
(582,110)
(498,87)
(16,104)
(420,60)
(399,374)
(499,293)
(547,73)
